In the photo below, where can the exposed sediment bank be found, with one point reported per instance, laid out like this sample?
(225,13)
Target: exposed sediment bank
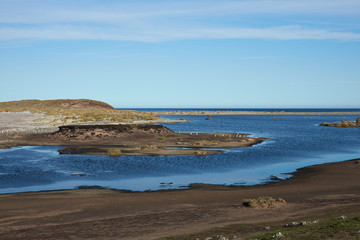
(324,190)
(116,140)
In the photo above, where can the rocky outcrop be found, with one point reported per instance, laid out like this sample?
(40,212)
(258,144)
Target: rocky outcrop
(101,131)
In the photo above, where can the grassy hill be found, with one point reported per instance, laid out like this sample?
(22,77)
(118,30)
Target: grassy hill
(76,110)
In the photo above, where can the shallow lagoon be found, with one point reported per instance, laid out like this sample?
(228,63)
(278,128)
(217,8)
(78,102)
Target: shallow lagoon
(294,142)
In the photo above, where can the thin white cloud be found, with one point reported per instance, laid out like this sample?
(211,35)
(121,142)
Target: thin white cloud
(155,21)
(30,11)
(165,34)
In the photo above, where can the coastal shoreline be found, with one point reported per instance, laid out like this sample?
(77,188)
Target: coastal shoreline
(79,213)
(117,140)
(311,193)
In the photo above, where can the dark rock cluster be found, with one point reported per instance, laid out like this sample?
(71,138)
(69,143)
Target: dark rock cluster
(100,131)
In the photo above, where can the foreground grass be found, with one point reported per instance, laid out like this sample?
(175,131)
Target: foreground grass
(331,229)
(338,228)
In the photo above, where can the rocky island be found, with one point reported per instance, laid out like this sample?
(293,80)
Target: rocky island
(343,123)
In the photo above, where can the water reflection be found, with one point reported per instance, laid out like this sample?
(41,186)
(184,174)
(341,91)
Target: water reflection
(294,141)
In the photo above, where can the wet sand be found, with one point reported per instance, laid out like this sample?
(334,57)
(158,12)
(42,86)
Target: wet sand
(112,214)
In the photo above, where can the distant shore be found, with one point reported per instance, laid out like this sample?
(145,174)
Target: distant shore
(27,123)
(182,112)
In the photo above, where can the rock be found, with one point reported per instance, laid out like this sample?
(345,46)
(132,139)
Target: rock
(99,131)
(223,238)
(267,228)
(278,235)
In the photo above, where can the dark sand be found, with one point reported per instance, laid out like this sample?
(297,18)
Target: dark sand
(111,214)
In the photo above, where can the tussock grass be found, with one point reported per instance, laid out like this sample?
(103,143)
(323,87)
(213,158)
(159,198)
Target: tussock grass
(114,152)
(200,153)
(205,142)
(148,147)
(264,202)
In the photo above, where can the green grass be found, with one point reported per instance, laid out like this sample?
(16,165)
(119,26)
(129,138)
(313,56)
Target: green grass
(328,229)
(162,138)
(331,229)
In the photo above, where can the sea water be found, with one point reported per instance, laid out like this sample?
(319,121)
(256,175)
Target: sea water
(292,142)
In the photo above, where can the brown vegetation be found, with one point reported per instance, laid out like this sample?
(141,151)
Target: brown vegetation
(343,123)
(114,152)
(148,147)
(205,142)
(76,111)
(264,202)
(200,153)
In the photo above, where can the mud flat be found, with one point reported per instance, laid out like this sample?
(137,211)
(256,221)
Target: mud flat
(319,193)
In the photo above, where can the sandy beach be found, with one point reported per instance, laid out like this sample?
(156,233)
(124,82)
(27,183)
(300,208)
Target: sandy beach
(314,192)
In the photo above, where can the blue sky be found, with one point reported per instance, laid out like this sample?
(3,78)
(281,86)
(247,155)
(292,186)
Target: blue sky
(181,53)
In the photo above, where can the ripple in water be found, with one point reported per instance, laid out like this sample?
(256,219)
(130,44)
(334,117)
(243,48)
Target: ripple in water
(294,142)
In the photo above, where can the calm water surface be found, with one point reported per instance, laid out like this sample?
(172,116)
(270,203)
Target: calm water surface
(294,142)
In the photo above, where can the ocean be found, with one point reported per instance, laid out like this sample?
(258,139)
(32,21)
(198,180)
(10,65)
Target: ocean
(292,142)
(248,109)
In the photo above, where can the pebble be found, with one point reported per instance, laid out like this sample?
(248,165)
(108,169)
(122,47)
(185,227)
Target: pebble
(278,235)
(304,223)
